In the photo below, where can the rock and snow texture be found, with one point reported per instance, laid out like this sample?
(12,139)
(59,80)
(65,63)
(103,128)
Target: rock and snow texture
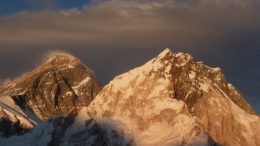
(13,119)
(77,129)
(55,88)
(141,102)
(174,100)
(171,100)
(11,110)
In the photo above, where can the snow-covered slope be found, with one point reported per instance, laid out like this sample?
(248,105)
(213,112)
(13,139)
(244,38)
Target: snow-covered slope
(15,120)
(56,87)
(11,110)
(74,130)
(172,100)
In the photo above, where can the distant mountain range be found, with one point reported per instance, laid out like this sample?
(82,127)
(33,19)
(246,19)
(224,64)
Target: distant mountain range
(172,100)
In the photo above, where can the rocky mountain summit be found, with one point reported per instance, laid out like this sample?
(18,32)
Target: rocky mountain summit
(172,100)
(62,83)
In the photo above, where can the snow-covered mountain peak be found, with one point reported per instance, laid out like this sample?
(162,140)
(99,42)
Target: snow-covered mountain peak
(59,56)
(180,59)
(61,61)
(56,87)
(170,88)
(164,53)
(142,101)
(166,59)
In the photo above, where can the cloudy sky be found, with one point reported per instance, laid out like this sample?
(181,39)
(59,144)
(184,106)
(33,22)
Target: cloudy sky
(113,36)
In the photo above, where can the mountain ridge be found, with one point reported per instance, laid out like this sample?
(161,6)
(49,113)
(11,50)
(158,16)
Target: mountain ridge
(170,100)
(174,84)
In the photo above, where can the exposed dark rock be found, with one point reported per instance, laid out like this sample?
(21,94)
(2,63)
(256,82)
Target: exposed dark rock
(56,87)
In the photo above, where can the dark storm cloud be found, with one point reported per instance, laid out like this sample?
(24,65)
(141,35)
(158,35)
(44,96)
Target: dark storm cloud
(114,36)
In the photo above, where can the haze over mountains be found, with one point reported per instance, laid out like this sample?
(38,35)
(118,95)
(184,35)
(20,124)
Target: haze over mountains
(171,100)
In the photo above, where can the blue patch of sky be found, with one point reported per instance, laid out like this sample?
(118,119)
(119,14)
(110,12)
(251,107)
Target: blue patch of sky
(68,4)
(15,6)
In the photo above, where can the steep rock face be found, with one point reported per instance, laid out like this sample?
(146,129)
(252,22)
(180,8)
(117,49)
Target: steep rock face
(56,87)
(173,100)
(220,107)
(192,79)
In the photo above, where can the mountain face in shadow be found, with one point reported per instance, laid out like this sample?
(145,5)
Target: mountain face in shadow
(55,88)
(172,100)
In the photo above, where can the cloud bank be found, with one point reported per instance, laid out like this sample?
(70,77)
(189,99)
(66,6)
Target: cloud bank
(182,24)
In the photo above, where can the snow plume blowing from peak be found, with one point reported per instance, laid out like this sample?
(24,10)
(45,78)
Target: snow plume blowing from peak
(48,57)
(52,54)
